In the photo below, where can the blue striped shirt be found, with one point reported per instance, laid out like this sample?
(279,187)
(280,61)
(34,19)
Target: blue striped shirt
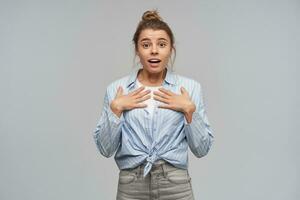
(138,139)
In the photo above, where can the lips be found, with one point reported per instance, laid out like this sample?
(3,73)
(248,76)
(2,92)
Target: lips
(154,60)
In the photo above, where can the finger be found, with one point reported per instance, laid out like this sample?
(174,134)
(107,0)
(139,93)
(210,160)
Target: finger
(184,91)
(158,98)
(168,92)
(140,105)
(141,94)
(181,90)
(160,94)
(143,99)
(119,91)
(164,106)
(137,90)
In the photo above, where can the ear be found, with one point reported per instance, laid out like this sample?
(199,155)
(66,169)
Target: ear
(137,53)
(138,57)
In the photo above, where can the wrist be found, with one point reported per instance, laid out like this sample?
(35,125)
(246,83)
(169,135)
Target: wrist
(116,108)
(189,109)
(188,112)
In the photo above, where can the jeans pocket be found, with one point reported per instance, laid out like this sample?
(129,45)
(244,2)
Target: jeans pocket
(179,176)
(127,177)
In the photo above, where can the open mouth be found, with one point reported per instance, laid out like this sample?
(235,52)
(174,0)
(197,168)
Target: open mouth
(154,60)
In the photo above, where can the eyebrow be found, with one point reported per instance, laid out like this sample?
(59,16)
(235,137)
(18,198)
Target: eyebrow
(147,39)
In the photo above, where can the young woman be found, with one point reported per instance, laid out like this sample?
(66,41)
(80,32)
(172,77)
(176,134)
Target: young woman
(150,118)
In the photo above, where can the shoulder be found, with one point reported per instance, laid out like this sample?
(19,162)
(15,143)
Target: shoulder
(192,86)
(119,82)
(112,87)
(187,82)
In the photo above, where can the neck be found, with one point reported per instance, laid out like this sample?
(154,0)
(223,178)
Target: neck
(149,79)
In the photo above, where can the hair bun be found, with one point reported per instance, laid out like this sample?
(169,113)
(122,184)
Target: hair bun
(151,15)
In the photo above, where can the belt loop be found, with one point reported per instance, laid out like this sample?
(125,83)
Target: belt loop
(164,168)
(140,171)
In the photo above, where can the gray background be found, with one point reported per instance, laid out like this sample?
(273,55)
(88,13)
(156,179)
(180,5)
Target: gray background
(57,57)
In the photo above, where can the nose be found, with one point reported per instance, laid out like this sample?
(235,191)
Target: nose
(154,49)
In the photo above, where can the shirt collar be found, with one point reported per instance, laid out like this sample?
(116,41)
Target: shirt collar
(170,77)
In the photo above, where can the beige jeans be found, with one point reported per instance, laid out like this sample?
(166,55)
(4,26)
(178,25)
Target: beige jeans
(164,182)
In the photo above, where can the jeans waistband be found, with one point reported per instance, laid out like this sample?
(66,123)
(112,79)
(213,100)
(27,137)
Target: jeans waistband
(158,167)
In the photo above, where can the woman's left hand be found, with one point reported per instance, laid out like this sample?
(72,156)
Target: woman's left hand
(178,102)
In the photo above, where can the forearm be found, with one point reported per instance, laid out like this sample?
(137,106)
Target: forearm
(116,109)
(199,135)
(107,134)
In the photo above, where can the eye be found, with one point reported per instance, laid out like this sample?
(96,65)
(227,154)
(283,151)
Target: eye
(145,45)
(162,44)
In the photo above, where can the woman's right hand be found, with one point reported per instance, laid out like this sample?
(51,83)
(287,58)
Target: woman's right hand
(130,101)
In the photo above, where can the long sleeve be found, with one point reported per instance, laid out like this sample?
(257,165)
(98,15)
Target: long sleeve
(198,132)
(107,134)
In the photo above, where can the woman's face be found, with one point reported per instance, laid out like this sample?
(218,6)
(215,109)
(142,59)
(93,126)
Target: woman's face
(154,50)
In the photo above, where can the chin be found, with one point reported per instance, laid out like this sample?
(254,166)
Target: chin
(154,70)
